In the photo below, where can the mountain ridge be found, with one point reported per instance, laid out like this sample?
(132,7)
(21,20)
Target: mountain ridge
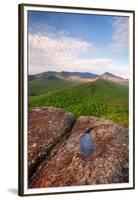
(111,77)
(78,76)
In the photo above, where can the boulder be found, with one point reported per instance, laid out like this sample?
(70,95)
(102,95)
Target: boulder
(46,127)
(68,166)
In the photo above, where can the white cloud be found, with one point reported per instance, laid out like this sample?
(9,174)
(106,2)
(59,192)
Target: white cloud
(120,34)
(55,52)
(65,53)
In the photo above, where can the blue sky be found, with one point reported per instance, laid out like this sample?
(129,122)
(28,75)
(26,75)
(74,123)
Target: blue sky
(78,42)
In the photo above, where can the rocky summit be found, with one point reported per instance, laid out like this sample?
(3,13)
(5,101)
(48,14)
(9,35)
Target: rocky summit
(55,153)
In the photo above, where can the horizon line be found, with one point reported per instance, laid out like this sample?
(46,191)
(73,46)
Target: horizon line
(78,72)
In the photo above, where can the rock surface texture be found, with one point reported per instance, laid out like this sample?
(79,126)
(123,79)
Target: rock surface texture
(46,127)
(55,157)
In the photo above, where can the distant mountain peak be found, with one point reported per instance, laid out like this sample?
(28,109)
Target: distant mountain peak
(111,77)
(108,74)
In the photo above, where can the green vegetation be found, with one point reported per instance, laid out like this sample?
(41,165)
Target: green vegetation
(41,86)
(100,98)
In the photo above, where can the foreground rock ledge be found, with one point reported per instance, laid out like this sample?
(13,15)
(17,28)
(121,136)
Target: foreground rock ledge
(67,166)
(46,127)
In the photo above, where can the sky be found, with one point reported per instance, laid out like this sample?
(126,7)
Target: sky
(78,42)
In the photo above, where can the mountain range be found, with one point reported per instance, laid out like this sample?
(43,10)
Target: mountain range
(77,76)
